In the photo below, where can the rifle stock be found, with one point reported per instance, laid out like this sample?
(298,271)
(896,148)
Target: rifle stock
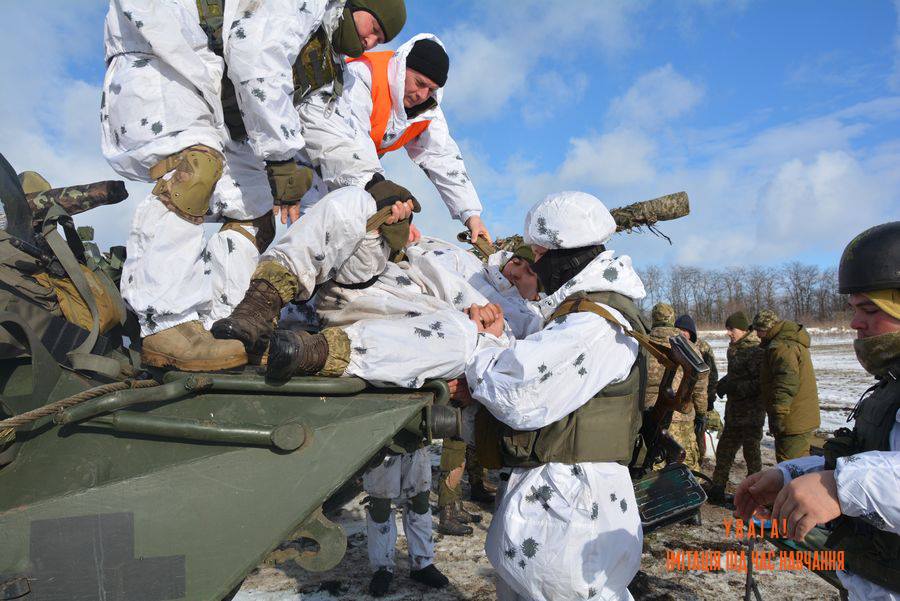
(655,441)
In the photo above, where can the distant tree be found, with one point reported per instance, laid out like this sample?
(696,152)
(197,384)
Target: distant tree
(795,291)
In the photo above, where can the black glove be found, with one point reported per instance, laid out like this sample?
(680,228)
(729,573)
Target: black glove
(722,387)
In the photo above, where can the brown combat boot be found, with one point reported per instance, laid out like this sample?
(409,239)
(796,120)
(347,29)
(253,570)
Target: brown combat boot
(480,492)
(465,517)
(449,524)
(189,347)
(295,353)
(253,319)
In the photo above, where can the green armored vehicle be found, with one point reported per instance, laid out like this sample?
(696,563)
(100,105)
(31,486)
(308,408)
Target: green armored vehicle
(120,484)
(123,484)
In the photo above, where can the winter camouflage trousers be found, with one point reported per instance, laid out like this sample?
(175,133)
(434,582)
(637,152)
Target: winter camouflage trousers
(733,438)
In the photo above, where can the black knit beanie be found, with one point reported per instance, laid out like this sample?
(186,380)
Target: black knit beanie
(429,58)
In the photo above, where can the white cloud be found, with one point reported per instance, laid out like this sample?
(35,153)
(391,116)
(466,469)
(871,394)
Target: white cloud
(762,197)
(619,158)
(655,98)
(499,53)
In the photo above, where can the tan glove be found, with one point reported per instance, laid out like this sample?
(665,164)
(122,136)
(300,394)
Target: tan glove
(288,180)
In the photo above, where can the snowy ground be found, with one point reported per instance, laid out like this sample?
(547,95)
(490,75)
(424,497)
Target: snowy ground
(840,381)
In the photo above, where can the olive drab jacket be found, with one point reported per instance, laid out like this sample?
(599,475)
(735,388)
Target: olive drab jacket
(787,380)
(744,406)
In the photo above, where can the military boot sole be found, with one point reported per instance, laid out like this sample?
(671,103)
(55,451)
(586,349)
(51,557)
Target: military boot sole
(157,359)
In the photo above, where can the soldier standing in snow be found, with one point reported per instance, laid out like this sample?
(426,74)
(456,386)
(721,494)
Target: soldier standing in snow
(744,410)
(567,410)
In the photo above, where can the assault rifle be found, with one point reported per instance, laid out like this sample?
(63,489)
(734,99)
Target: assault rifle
(655,444)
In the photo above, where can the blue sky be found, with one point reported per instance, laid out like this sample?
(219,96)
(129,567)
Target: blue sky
(780,119)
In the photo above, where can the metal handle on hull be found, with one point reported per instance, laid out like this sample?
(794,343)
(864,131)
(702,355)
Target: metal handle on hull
(286,437)
(126,398)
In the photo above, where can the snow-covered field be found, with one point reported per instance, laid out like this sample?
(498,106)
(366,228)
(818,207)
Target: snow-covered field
(840,379)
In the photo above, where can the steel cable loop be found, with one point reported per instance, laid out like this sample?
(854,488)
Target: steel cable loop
(28,417)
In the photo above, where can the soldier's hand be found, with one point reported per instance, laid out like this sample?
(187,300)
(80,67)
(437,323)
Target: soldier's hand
(400,211)
(288,213)
(289,182)
(488,318)
(757,491)
(459,392)
(414,234)
(807,501)
(477,228)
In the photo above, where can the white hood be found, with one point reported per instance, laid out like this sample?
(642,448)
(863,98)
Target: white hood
(397,77)
(606,272)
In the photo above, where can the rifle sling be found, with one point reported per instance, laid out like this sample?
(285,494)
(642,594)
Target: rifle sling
(81,357)
(581,305)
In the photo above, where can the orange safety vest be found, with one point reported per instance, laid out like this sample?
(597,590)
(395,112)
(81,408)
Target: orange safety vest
(377,62)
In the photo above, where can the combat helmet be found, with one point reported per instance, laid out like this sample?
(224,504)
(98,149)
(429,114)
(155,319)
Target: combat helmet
(871,261)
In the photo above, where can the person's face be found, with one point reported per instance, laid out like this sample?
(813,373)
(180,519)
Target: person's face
(868,320)
(735,334)
(417,88)
(519,272)
(370,34)
(686,334)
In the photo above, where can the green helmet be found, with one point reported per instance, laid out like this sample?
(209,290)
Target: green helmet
(390,14)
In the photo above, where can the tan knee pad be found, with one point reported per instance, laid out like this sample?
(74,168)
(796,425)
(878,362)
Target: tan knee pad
(187,191)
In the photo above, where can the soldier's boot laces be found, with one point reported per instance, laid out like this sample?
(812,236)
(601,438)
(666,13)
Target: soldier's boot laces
(253,319)
(430,576)
(449,524)
(295,353)
(189,347)
(380,583)
(465,517)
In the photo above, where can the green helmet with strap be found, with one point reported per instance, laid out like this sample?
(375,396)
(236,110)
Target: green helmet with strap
(390,14)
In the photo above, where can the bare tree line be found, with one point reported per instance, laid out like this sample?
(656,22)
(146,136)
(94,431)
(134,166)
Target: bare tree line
(804,293)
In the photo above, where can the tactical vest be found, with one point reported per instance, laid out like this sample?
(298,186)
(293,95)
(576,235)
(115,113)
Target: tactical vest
(315,65)
(869,551)
(382,104)
(602,430)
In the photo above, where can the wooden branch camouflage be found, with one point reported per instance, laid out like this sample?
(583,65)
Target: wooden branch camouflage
(634,216)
